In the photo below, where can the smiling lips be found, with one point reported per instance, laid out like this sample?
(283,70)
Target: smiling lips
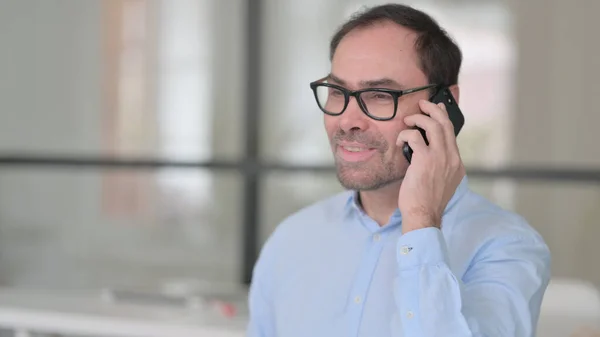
(354,152)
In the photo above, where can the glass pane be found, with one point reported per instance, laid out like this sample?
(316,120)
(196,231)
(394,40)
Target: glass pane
(71,229)
(124,78)
(293,125)
(292,121)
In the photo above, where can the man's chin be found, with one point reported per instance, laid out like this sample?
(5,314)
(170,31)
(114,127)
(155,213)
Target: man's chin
(364,181)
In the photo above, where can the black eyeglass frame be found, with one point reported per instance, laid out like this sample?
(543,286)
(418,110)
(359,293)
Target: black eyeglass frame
(396,94)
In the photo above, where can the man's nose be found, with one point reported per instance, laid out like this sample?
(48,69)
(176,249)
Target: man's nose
(353,118)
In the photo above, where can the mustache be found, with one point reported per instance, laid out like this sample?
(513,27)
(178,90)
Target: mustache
(369,140)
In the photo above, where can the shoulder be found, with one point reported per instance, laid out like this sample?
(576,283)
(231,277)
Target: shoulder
(316,216)
(328,208)
(298,229)
(480,216)
(480,228)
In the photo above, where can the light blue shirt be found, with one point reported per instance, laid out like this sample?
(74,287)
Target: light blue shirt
(330,270)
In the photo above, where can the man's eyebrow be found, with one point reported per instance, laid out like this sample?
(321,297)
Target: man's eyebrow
(336,79)
(382,82)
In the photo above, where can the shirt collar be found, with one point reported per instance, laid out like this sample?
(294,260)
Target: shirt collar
(353,202)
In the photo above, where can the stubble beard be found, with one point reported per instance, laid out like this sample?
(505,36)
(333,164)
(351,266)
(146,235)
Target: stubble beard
(372,174)
(367,176)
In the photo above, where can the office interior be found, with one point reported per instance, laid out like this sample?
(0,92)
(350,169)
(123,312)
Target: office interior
(149,147)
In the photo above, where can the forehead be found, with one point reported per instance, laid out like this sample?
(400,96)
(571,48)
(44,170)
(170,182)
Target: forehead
(377,51)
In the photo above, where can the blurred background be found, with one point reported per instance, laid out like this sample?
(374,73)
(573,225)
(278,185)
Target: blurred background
(153,145)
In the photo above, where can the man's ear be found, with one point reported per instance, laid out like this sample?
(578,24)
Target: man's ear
(455,92)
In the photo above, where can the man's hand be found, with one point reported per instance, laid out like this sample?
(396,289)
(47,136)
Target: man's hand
(435,170)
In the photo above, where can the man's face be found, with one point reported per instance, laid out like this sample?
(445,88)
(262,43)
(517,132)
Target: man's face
(364,149)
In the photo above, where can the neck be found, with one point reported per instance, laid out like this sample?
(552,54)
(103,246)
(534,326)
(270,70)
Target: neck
(381,204)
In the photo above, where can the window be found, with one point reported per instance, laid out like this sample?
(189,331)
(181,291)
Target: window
(133,123)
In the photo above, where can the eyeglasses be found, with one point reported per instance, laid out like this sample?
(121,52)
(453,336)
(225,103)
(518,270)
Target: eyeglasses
(377,103)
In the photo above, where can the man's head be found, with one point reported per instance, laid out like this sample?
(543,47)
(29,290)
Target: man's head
(395,47)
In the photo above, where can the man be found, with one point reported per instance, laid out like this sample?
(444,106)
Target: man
(409,250)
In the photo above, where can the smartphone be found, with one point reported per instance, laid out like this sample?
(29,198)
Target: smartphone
(443,95)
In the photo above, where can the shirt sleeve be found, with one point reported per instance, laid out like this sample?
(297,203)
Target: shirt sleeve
(499,295)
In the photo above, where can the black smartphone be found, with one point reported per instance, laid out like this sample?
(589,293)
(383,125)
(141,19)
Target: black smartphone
(443,95)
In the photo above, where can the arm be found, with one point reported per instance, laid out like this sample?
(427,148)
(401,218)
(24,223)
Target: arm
(500,294)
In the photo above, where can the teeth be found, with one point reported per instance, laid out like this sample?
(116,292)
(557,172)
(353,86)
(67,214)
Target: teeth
(353,149)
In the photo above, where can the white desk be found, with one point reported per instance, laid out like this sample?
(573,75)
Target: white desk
(569,305)
(87,314)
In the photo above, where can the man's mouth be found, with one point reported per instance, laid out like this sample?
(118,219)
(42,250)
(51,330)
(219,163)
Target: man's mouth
(355,153)
(354,148)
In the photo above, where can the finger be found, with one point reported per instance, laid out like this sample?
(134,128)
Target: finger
(448,126)
(439,113)
(449,130)
(433,129)
(414,139)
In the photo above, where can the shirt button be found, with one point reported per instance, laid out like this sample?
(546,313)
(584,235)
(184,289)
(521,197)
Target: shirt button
(376,237)
(405,250)
(410,315)
(357,299)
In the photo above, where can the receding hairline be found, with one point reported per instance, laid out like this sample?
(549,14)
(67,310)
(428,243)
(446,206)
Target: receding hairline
(439,56)
(404,42)
(410,33)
